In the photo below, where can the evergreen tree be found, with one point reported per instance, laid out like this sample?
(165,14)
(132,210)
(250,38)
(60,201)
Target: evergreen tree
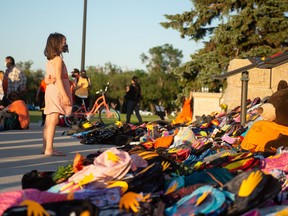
(229,29)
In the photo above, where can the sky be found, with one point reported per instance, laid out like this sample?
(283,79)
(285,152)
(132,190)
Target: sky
(117,31)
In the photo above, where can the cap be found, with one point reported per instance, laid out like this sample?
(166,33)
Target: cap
(75,70)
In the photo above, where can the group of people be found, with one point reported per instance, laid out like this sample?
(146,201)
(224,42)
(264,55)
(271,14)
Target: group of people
(14,113)
(79,87)
(56,93)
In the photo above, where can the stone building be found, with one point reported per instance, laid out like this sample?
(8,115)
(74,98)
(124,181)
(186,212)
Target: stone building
(263,78)
(262,82)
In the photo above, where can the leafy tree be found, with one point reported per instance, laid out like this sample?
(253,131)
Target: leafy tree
(33,81)
(163,59)
(161,85)
(229,29)
(111,69)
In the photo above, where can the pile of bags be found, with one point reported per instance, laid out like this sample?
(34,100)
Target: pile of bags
(159,168)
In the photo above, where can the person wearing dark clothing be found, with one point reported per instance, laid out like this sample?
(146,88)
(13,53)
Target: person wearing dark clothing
(133,96)
(40,98)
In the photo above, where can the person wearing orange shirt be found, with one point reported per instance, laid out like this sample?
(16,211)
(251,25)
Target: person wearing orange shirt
(15,115)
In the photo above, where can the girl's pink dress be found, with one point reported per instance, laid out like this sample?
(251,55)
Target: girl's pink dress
(52,96)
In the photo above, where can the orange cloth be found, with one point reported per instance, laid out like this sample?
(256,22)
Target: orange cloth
(260,133)
(43,86)
(163,142)
(22,111)
(185,115)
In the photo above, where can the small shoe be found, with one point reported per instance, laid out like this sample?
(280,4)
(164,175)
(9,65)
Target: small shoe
(55,153)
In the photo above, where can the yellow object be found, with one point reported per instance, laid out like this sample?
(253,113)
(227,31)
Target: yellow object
(283,212)
(226,154)
(224,107)
(119,124)
(249,184)
(145,153)
(130,201)
(173,150)
(202,197)
(64,187)
(113,157)
(150,126)
(87,125)
(148,154)
(165,165)
(198,164)
(34,208)
(86,180)
(203,133)
(236,164)
(146,198)
(85,213)
(124,186)
(145,169)
(172,188)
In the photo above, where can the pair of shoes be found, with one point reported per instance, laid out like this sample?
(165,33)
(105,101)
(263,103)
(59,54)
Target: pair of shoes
(55,153)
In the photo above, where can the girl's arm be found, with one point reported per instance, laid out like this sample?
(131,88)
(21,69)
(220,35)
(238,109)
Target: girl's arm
(58,65)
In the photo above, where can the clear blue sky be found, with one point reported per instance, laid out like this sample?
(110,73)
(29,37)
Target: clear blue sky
(118,31)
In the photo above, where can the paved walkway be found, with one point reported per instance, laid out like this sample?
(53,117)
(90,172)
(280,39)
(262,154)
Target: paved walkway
(20,153)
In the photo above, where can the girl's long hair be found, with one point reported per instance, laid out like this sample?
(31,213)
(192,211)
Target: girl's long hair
(54,45)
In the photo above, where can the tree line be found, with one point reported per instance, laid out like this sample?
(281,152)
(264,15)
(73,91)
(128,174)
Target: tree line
(158,83)
(228,29)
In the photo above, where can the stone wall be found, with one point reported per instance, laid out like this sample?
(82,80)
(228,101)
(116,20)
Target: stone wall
(204,103)
(262,83)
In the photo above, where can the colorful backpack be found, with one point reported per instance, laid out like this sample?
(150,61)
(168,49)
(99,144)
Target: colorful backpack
(251,189)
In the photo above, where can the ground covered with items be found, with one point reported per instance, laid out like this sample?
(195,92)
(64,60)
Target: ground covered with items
(211,166)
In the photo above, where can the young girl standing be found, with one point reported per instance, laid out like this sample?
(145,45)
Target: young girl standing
(58,97)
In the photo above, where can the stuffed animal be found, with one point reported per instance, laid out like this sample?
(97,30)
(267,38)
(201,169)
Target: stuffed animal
(269,134)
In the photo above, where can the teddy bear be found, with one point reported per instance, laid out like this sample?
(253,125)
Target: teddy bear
(270,133)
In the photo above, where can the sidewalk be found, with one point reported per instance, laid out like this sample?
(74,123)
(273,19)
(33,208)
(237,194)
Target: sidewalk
(20,153)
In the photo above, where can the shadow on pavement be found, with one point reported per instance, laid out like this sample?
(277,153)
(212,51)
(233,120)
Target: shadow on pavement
(21,153)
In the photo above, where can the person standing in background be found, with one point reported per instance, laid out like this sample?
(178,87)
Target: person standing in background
(75,76)
(1,88)
(82,89)
(58,96)
(133,96)
(14,78)
(40,98)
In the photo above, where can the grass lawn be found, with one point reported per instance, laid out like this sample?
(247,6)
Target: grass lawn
(35,116)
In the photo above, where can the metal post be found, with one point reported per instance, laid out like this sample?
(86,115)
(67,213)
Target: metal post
(244,91)
(84,36)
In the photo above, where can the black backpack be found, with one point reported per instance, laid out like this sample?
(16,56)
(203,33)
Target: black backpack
(259,188)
